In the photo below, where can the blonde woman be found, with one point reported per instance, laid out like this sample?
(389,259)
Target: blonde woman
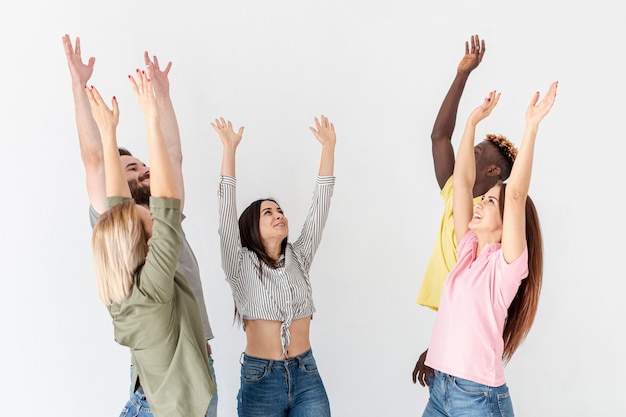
(152,305)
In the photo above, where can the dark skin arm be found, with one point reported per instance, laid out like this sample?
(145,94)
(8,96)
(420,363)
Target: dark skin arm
(441,136)
(443,152)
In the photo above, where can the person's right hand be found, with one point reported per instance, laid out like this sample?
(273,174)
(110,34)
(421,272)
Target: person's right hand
(485,108)
(81,73)
(145,95)
(105,118)
(474,51)
(230,139)
(421,372)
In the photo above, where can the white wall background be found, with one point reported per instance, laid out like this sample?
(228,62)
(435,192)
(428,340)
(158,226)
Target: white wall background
(379,70)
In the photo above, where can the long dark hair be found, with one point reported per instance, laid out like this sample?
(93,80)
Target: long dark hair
(251,237)
(523,308)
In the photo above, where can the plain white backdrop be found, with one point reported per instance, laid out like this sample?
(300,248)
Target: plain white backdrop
(379,70)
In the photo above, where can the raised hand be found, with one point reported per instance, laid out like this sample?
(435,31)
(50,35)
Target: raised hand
(474,51)
(160,82)
(324,131)
(145,94)
(81,72)
(485,108)
(536,112)
(230,139)
(105,118)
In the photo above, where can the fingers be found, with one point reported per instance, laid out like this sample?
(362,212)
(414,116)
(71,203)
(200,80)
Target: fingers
(322,123)
(167,68)
(142,85)
(77,49)
(94,96)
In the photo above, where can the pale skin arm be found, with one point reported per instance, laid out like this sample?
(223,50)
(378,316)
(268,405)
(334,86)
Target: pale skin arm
(162,180)
(324,132)
(230,140)
(106,121)
(441,136)
(168,121)
(514,221)
(91,151)
(465,167)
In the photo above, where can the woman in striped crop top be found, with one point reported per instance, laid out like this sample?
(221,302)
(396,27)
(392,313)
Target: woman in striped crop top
(269,278)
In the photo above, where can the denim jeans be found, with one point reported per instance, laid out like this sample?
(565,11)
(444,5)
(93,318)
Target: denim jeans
(292,387)
(137,405)
(452,396)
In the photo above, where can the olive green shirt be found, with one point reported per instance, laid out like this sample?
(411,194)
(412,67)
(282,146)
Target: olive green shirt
(160,322)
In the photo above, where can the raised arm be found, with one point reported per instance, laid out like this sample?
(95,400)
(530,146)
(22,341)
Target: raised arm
(514,221)
(228,230)
(169,124)
(230,140)
(441,136)
(465,167)
(91,150)
(106,121)
(162,179)
(324,132)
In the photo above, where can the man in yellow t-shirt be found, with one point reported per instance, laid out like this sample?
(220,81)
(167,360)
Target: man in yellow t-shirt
(494,160)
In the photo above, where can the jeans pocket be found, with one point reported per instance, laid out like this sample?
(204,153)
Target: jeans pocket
(252,372)
(469,387)
(309,365)
(505,404)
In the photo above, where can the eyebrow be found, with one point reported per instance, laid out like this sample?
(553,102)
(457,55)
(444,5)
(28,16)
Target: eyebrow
(134,164)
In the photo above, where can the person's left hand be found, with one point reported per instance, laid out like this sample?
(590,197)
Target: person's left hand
(536,112)
(105,118)
(324,131)
(158,77)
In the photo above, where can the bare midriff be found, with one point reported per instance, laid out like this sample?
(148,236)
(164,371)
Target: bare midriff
(263,338)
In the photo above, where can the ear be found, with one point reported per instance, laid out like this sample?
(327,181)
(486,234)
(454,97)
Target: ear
(494,171)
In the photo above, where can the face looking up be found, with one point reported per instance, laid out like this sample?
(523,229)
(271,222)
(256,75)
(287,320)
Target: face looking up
(273,225)
(487,217)
(138,177)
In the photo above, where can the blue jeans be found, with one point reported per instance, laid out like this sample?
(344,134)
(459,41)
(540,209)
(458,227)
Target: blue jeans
(452,396)
(137,405)
(292,387)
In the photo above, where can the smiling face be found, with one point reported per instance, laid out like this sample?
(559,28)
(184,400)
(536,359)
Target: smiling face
(138,177)
(273,225)
(487,218)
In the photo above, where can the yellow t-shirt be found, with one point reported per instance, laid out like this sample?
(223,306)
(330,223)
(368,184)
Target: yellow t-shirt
(443,257)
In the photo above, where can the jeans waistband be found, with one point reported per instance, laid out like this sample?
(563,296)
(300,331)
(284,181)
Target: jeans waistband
(296,360)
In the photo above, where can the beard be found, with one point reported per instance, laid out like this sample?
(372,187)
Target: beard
(140,192)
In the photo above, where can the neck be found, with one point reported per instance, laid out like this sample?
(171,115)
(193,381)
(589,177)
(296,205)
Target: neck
(273,250)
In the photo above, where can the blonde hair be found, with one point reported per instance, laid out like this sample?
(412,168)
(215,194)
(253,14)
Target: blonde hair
(119,248)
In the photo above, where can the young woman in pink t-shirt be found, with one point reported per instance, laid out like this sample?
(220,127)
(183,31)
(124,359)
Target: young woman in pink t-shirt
(490,298)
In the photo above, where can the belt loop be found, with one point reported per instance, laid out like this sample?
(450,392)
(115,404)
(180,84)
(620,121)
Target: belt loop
(241,358)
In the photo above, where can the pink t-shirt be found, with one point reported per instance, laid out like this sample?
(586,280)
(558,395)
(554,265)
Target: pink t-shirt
(467,338)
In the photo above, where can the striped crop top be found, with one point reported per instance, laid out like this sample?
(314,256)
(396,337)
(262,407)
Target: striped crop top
(284,294)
